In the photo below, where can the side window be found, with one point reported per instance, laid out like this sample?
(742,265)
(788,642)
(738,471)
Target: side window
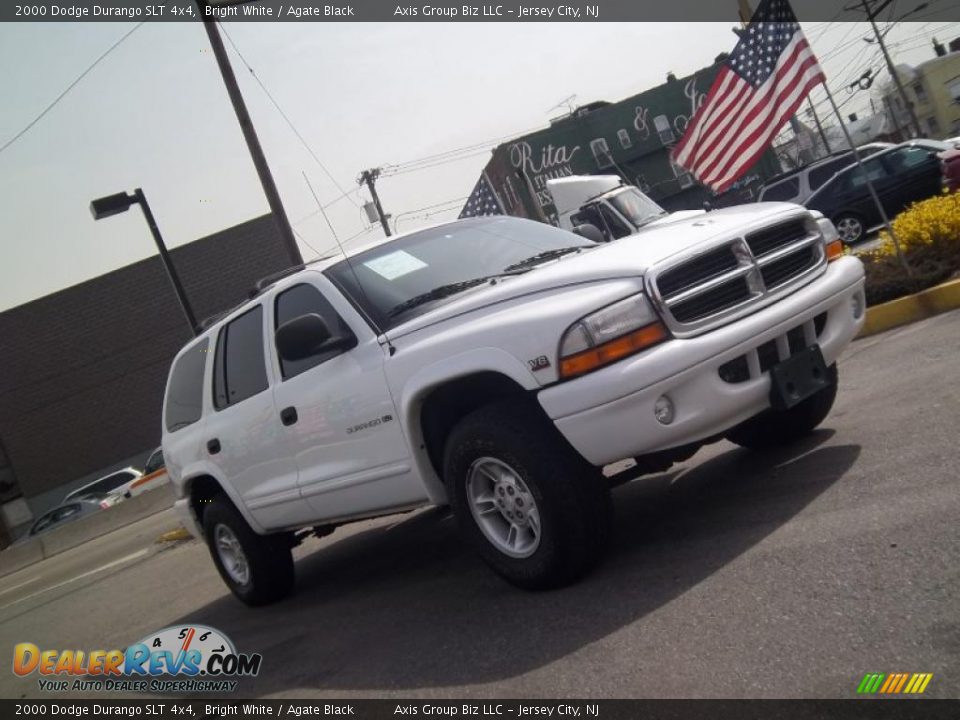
(185,392)
(617,227)
(303,300)
(907,158)
(819,175)
(855,179)
(785,190)
(154,462)
(239,370)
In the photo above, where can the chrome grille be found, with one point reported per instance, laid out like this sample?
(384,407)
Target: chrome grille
(735,276)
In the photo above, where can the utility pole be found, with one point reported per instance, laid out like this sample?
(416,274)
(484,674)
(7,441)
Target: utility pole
(871,16)
(370,178)
(250,134)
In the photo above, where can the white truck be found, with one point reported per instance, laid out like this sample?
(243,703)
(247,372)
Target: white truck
(607,204)
(497,365)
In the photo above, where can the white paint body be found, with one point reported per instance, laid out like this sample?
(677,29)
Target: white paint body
(319,471)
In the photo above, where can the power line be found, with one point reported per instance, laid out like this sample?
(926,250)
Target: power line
(69,87)
(343,193)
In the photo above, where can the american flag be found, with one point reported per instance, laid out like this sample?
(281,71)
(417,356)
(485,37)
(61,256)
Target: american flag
(768,74)
(482,201)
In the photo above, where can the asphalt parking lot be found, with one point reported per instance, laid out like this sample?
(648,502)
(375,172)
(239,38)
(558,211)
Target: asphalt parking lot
(736,574)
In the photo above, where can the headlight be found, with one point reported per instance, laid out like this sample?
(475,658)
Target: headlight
(608,335)
(832,244)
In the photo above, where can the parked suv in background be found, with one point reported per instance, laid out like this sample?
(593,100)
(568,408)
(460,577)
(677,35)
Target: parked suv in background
(496,365)
(799,184)
(901,175)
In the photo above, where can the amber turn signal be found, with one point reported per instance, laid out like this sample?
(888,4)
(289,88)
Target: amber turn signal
(613,350)
(834,250)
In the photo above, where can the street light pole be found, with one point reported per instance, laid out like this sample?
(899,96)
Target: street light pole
(141,200)
(119,203)
(893,71)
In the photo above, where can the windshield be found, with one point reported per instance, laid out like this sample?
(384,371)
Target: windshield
(636,207)
(408,276)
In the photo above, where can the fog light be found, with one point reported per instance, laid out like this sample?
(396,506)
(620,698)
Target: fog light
(663,410)
(856,305)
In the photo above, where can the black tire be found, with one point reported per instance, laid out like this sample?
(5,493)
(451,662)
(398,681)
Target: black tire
(772,428)
(268,557)
(571,496)
(851,227)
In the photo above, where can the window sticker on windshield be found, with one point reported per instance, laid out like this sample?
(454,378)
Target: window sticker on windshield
(395,264)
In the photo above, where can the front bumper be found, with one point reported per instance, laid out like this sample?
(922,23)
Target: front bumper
(608,415)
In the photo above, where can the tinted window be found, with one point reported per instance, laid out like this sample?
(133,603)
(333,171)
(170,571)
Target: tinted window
(154,462)
(907,158)
(858,180)
(185,391)
(820,174)
(240,372)
(784,190)
(303,300)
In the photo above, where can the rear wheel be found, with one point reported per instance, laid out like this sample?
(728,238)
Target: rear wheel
(537,513)
(781,427)
(258,569)
(850,227)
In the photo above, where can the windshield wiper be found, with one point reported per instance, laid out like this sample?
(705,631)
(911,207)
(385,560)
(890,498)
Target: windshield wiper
(544,256)
(443,291)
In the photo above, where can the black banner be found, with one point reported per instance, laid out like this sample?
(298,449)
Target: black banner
(419,11)
(876,709)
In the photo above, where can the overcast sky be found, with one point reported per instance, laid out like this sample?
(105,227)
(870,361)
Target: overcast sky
(154,114)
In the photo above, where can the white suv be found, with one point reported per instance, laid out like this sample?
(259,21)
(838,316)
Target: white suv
(496,364)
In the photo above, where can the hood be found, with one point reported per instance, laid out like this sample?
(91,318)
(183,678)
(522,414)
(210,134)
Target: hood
(628,257)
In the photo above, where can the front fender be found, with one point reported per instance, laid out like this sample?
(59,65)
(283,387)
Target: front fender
(425,380)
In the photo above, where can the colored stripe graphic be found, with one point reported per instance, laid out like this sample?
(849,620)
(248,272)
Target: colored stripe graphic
(894,683)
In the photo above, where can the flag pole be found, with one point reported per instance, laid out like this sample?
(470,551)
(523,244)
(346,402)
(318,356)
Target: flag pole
(873,191)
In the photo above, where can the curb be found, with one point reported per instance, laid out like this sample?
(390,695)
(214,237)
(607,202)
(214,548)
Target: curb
(910,309)
(175,535)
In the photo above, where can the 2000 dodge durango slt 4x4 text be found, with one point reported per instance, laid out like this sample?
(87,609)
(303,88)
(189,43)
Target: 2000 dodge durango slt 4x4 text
(496,365)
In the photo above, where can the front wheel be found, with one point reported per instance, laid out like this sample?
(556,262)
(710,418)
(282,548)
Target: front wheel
(536,512)
(258,569)
(781,427)
(850,228)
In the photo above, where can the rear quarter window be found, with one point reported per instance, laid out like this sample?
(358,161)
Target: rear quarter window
(184,402)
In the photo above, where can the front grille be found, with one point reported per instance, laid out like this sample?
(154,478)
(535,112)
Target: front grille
(772,238)
(700,269)
(712,301)
(780,271)
(703,291)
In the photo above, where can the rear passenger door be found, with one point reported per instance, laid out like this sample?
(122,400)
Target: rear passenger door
(242,436)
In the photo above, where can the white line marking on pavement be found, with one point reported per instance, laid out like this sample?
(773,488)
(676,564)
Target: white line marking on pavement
(127,558)
(20,585)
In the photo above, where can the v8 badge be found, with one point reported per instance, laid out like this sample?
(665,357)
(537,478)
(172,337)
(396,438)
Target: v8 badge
(540,363)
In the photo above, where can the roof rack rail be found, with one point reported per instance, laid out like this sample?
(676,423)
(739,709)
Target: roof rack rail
(263,283)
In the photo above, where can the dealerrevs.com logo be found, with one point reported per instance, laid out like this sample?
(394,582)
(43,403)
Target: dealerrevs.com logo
(191,658)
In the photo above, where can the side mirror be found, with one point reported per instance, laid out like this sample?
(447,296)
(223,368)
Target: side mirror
(590,232)
(306,336)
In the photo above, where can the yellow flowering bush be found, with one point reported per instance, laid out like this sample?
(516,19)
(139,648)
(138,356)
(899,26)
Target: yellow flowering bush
(929,233)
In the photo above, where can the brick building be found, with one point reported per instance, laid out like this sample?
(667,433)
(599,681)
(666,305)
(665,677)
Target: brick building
(82,371)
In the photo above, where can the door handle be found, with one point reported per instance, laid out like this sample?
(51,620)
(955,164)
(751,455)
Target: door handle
(288,416)
(213,446)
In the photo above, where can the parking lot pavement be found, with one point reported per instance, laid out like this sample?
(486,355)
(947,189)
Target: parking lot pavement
(780,574)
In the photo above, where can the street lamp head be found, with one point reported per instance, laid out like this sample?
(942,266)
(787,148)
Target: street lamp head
(111,205)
